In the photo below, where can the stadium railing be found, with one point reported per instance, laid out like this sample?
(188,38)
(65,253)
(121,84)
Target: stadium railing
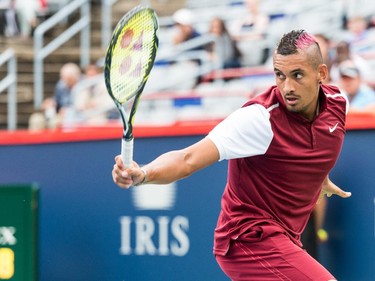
(41,52)
(10,82)
(106,21)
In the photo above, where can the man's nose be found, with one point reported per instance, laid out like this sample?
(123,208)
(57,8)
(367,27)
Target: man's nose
(288,86)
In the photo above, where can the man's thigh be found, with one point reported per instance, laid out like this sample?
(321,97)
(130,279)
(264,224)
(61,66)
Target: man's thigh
(274,258)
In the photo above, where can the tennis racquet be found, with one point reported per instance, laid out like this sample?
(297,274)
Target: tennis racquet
(129,59)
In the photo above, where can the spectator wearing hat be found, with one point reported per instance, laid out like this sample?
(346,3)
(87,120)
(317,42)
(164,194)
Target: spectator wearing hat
(184,20)
(185,31)
(361,96)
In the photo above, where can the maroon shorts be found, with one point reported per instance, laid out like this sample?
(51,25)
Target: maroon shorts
(274,258)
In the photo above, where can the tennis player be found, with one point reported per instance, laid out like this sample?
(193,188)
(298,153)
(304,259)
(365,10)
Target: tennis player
(281,146)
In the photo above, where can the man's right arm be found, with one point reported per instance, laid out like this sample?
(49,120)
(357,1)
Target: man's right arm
(168,167)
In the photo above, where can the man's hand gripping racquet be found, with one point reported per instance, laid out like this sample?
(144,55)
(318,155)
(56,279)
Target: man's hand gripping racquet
(129,60)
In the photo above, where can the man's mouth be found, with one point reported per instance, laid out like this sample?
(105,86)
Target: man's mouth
(291,100)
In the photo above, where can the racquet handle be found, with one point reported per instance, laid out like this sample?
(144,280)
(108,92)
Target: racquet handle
(127,152)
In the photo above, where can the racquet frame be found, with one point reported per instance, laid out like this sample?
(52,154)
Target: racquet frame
(128,138)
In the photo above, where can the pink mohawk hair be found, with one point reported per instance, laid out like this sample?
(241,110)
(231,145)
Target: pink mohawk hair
(293,41)
(305,41)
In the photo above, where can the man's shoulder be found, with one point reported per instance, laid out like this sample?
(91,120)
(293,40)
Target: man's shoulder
(333,93)
(267,99)
(337,101)
(331,89)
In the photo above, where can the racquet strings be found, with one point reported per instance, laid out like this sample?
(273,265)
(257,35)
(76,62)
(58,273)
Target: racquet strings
(132,56)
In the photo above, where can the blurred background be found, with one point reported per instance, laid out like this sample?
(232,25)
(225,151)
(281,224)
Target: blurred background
(62,218)
(210,52)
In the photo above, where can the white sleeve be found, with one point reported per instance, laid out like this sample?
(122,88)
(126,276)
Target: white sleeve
(345,96)
(246,132)
(347,101)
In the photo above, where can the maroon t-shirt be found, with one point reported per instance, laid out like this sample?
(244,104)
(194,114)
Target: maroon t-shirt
(277,191)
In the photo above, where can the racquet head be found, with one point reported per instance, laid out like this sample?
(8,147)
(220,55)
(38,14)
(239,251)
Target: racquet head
(130,57)
(131,54)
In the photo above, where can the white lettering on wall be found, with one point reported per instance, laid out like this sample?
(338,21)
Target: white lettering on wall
(7,236)
(163,236)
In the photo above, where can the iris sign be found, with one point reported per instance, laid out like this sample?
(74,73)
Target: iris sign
(152,235)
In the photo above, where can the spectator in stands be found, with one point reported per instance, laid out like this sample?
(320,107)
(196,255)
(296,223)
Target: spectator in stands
(357,32)
(224,50)
(184,19)
(37,121)
(20,17)
(361,96)
(55,107)
(185,31)
(251,34)
(27,11)
(93,105)
(343,52)
(253,25)
(9,20)
(70,74)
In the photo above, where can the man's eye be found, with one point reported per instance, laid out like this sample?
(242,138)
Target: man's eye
(279,75)
(298,75)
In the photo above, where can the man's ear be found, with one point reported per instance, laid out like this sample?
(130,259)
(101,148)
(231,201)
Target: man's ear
(322,73)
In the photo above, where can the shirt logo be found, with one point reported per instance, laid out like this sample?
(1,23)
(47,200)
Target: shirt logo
(331,130)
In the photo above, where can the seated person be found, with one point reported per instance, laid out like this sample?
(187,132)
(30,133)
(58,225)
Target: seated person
(183,19)
(93,105)
(224,49)
(361,96)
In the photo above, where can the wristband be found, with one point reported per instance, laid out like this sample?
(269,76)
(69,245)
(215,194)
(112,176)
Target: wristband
(144,178)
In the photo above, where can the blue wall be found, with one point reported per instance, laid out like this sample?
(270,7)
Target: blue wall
(85,219)
(350,253)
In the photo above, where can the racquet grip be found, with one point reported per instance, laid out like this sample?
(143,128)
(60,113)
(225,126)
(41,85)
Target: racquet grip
(127,152)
